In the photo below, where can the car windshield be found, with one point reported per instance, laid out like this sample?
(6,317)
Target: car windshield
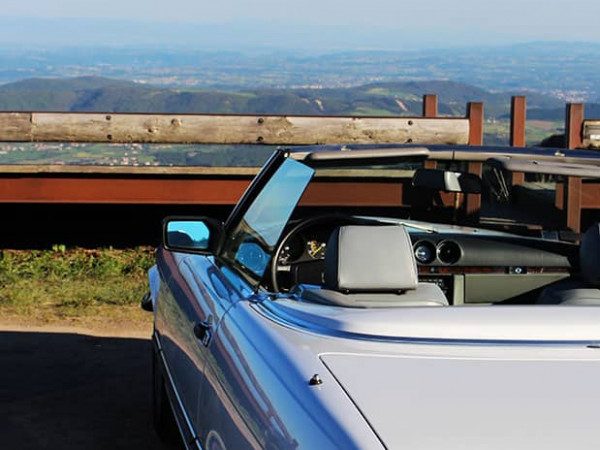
(252,240)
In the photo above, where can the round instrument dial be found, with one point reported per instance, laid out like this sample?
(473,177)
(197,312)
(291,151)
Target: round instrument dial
(316,249)
(449,252)
(291,251)
(424,254)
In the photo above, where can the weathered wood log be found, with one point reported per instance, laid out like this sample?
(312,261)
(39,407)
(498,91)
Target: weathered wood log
(179,171)
(228,129)
(15,126)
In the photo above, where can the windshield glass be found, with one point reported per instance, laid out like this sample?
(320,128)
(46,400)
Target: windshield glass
(253,239)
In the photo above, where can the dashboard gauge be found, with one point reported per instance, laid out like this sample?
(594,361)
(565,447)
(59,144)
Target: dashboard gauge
(316,249)
(449,252)
(424,252)
(291,251)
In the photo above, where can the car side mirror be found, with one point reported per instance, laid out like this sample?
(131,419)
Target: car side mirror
(447,181)
(191,234)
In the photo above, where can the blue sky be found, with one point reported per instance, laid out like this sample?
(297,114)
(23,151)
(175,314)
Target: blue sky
(384,24)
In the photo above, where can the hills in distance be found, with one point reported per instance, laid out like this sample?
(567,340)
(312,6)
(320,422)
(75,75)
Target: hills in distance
(376,99)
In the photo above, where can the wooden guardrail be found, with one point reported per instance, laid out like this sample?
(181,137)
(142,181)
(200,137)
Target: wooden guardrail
(284,130)
(159,186)
(230,129)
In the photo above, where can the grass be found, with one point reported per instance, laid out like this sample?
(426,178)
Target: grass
(386,92)
(63,283)
(538,130)
(498,132)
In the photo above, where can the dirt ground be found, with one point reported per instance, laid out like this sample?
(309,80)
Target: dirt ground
(75,385)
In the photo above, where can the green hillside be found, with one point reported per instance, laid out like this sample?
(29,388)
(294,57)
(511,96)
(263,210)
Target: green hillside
(546,113)
(399,98)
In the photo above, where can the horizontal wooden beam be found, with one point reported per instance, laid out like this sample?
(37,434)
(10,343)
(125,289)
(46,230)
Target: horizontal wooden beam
(159,189)
(119,190)
(228,129)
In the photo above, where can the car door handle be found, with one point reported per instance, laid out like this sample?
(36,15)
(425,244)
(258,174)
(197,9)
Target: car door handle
(203,330)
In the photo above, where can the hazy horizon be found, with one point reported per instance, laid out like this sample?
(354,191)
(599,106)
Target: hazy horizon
(314,25)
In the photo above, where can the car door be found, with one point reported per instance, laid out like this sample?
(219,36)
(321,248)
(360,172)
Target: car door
(199,289)
(194,298)
(245,257)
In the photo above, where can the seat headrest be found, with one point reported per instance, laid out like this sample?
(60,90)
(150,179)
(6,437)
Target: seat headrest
(361,258)
(589,255)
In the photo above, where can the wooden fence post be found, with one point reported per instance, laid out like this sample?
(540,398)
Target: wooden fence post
(475,116)
(430,105)
(574,125)
(518,118)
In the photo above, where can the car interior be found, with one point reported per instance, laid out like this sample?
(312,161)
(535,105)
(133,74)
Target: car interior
(369,260)
(364,264)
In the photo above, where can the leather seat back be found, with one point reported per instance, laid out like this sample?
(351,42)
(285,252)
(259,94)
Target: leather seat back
(371,266)
(584,292)
(589,255)
(370,259)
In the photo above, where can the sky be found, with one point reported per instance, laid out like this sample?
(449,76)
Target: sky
(349,24)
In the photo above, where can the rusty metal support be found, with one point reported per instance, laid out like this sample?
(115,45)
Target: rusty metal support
(121,190)
(474,200)
(518,118)
(430,106)
(185,190)
(575,116)
(475,115)
(572,200)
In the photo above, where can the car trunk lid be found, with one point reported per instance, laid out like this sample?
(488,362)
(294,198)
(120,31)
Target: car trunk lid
(465,397)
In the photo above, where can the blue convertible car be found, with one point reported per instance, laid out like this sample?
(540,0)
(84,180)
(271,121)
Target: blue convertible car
(387,297)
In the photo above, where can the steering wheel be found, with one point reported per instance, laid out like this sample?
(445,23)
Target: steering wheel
(306,270)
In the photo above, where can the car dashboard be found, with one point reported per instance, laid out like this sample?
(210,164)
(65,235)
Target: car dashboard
(490,269)
(471,268)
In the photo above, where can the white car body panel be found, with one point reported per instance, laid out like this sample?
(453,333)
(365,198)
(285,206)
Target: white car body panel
(254,369)
(510,399)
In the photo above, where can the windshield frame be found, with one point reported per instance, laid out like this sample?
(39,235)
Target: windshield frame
(247,224)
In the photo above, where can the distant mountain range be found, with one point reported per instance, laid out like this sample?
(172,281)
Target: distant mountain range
(389,98)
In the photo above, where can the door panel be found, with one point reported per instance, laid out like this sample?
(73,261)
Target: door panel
(195,297)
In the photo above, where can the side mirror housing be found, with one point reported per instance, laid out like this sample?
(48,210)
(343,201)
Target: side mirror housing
(192,234)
